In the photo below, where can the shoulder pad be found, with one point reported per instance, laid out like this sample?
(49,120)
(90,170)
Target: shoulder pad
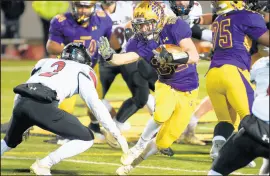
(101,13)
(172,20)
(60,17)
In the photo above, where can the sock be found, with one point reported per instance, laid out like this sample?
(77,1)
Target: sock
(69,149)
(192,125)
(107,104)
(212,172)
(150,149)
(150,104)
(149,131)
(218,138)
(4,147)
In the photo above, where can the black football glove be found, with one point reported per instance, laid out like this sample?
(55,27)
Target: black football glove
(164,56)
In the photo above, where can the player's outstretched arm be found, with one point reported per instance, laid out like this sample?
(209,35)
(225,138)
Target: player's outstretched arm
(88,93)
(110,56)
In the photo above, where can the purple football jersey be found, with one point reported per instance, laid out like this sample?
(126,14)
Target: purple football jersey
(64,29)
(232,37)
(181,77)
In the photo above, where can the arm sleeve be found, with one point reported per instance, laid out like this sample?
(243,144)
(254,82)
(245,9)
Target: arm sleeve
(108,31)
(88,93)
(55,31)
(181,30)
(254,26)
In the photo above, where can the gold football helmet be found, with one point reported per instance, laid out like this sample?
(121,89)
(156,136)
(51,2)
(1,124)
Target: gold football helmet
(223,7)
(82,16)
(148,19)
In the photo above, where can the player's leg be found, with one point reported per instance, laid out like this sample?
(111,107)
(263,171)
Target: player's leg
(18,124)
(171,129)
(165,104)
(179,106)
(216,92)
(188,136)
(148,73)
(237,152)
(139,89)
(240,92)
(55,120)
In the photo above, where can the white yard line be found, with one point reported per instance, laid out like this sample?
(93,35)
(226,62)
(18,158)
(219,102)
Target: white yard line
(115,164)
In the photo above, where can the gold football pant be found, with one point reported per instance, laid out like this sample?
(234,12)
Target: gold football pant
(173,110)
(231,93)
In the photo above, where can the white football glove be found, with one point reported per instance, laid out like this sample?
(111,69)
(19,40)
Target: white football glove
(104,48)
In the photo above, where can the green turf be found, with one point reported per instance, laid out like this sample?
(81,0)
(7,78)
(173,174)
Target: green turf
(100,159)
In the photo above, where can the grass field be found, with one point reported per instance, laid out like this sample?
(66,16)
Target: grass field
(101,159)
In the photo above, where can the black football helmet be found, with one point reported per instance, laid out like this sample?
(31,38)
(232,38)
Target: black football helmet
(258,6)
(180,10)
(76,52)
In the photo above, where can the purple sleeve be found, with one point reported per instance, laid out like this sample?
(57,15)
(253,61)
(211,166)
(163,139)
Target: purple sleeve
(55,31)
(181,30)
(255,26)
(108,30)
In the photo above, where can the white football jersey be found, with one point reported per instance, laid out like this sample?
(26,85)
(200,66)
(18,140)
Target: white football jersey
(61,76)
(68,78)
(121,17)
(260,75)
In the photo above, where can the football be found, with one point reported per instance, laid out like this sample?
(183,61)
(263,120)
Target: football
(171,48)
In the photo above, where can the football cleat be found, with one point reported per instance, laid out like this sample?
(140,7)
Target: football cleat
(168,152)
(216,146)
(38,169)
(131,155)
(124,170)
(190,139)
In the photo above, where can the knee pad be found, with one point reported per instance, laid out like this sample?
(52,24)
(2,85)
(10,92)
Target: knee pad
(224,129)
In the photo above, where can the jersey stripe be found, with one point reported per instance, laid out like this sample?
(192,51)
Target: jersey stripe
(93,77)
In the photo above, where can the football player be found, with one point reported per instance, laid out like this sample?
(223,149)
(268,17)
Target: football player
(121,13)
(175,91)
(37,100)
(252,139)
(82,25)
(227,80)
(191,11)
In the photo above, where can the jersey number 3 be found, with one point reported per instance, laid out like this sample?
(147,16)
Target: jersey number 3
(221,34)
(60,66)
